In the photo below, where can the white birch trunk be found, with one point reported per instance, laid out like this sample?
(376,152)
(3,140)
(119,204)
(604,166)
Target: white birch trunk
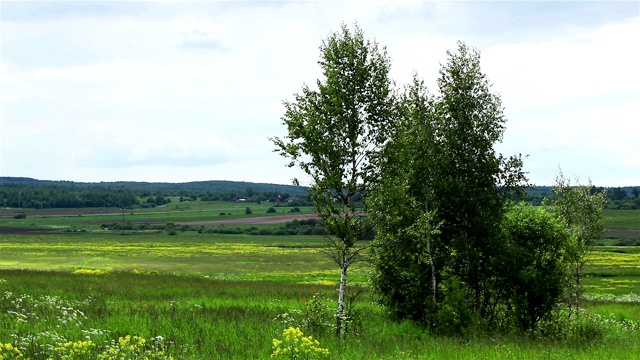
(341,294)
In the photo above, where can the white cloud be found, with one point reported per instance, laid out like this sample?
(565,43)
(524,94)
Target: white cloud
(191,91)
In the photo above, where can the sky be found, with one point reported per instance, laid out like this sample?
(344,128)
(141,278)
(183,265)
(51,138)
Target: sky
(192,91)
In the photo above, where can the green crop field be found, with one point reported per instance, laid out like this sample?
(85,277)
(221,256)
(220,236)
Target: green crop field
(69,289)
(622,219)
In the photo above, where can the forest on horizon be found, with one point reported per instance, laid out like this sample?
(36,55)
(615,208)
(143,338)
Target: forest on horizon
(21,192)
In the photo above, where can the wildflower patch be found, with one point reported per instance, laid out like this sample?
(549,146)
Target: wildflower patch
(294,345)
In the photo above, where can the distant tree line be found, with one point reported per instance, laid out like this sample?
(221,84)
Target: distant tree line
(21,195)
(39,194)
(43,194)
(619,198)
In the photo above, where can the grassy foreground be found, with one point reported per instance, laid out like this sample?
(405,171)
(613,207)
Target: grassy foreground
(189,317)
(96,294)
(217,296)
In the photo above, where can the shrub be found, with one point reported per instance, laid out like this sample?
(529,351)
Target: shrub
(454,315)
(20,216)
(315,316)
(308,222)
(248,211)
(271,210)
(582,328)
(319,231)
(628,242)
(533,272)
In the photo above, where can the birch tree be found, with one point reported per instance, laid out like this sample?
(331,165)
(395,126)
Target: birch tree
(405,252)
(440,244)
(582,213)
(335,134)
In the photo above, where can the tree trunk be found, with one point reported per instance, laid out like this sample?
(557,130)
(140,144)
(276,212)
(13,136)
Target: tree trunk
(341,294)
(434,284)
(578,275)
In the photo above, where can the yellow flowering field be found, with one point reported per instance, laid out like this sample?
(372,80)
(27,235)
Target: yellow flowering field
(236,257)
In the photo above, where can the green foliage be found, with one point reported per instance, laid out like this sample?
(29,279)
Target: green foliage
(335,135)
(583,328)
(581,211)
(454,315)
(247,211)
(314,316)
(533,265)
(627,198)
(271,210)
(442,196)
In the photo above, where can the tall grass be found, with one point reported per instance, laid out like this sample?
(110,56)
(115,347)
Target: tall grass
(199,318)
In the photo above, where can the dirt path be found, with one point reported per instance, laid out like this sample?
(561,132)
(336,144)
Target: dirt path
(276,219)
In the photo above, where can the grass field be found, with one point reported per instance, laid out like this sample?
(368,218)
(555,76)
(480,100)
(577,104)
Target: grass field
(622,219)
(76,291)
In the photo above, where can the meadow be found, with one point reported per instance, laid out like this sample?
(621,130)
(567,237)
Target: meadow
(69,289)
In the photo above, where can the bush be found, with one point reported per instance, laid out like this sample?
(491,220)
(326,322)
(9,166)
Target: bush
(271,210)
(454,315)
(315,316)
(319,231)
(20,216)
(532,271)
(628,242)
(582,328)
(248,211)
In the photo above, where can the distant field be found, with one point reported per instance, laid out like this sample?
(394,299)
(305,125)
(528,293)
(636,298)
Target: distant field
(210,211)
(622,219)
(296,259)
(185,212)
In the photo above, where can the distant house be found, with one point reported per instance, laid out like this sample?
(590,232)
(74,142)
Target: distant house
(241,200)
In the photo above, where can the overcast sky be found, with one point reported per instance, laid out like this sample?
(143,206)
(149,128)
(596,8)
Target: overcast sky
(191,91)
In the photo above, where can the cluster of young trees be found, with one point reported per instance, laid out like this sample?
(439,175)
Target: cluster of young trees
(452,250)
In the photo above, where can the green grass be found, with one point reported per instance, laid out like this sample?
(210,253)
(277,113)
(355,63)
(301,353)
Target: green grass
(294,258)
(189,211)
(217,296)
(211,319)
(622,219)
